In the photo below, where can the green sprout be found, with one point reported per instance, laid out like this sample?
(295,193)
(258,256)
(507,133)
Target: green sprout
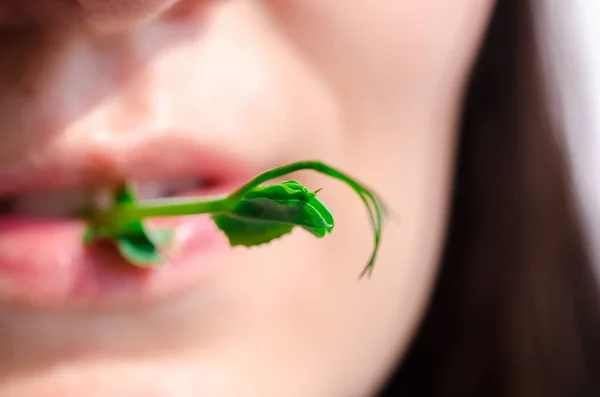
(254,214)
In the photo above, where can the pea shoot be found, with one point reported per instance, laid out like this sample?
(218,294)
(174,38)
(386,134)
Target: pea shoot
(254,214)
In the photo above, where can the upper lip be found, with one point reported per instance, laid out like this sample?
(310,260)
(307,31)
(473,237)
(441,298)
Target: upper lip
(94,166)
(70,273)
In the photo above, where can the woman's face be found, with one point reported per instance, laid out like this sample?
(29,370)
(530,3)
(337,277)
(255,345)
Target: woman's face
(209,94)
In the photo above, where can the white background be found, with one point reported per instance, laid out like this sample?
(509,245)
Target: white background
(572,32)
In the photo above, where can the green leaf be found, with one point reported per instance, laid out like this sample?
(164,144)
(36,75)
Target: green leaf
(253,214)
(139,250)
(90,235)
(249,232)
(134,242)
(124,195)
(141,247)
(374,205)
(161,237)
(269,212)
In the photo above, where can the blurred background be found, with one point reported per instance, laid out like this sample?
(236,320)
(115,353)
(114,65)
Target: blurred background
(574,48)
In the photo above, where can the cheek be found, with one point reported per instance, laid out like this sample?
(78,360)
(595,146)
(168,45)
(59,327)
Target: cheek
(398,70)
(388,54)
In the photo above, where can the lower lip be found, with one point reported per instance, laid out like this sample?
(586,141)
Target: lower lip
(43,262)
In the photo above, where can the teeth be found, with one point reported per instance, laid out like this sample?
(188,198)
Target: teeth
(158,189)
(53,204)
(74,202)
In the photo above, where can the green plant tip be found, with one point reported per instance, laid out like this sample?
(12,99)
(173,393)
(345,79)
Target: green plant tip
(255,214)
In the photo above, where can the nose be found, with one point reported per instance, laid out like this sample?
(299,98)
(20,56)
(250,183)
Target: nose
(103,15)
(120,14)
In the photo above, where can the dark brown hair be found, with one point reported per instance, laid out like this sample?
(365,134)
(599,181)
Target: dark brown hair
(516,309)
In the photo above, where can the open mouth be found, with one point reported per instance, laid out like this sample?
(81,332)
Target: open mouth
(44,262)
(77,202)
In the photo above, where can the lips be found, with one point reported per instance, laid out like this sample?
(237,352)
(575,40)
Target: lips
(43,261)
(75,202)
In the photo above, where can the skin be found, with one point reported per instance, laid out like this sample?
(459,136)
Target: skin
(373,88)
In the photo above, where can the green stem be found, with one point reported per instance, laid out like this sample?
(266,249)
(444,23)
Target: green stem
(374,205)
(178,207)
(164,207)
(293,167)
(120,214)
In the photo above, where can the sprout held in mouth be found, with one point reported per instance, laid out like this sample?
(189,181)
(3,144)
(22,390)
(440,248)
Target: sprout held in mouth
(252,215)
